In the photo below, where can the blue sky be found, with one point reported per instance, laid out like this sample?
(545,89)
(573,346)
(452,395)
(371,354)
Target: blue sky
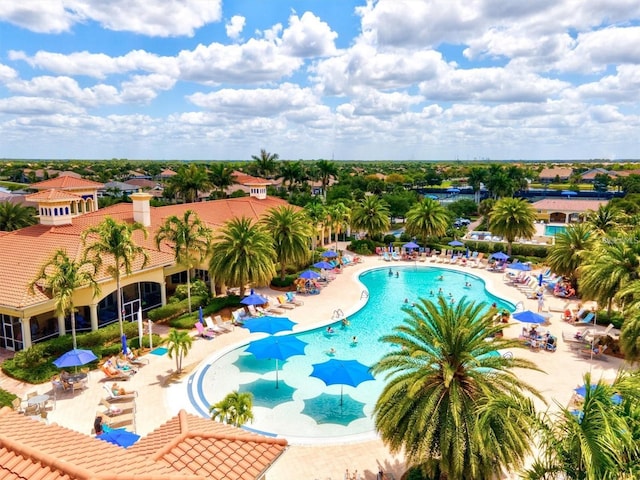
(310,79)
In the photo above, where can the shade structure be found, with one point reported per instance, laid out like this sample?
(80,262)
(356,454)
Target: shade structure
(342,372)
(253,299)
(500,256)
(75,358)
(268,324)
(323,265)
(411,245)
(119,436)
(522,267)
(309,275)
(528,316)
(453,190)
(568,193)
(278,348)
(456,243)
(329,254)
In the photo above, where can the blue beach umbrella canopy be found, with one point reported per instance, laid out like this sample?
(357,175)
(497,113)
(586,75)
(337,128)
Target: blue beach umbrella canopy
(411,245)
(456,243)
(309,275)
(75,358)
(268,324)
(569,193)
(522,267)
(253,299)
(278,348)
(123,341)
(453,190)
(500,256)
(528,316)
(342,372)
(323,265)
(329,254)
(200,315)
(120,437)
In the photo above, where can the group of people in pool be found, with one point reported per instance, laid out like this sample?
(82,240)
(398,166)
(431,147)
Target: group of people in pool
(397,274)
(330,331)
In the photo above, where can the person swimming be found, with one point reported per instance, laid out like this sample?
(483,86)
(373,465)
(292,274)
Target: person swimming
(390,272)
(431,293)
(330,330)
(440,278)
(331,352)
(345,322)
(397,274)
(440,292)
(354,340)
(467,284)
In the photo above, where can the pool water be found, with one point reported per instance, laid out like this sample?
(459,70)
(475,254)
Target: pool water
(303,406)
(553,230)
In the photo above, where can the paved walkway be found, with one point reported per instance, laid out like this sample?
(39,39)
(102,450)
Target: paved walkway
(160,396)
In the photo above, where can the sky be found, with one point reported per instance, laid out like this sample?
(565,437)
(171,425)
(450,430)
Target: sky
(311,79)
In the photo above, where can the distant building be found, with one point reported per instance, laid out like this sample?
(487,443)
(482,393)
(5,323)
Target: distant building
(565,210)
(549,175)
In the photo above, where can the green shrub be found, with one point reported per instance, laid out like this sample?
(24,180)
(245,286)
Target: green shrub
(172,310)
(287,282)
(184,322)
(389,239)
(603,318)
(362,247)
(135,341)
(40,374)
(218,303)
(198,289)
(6,398)
(31,357)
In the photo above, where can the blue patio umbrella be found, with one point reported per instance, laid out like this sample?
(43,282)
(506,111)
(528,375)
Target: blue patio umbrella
(323,265)
(569,193)
(200,315)
(123,341)
(540,277)
(75,358)
(329,254)
(278,348)
(528,316)
(456,243)
(120,437)
(268,324)
(309,275)
(500,256)
(453,190)
(467,254)
(432,197)
(253,299)
(341,372)
(411,245)
(523,267)
(616,398)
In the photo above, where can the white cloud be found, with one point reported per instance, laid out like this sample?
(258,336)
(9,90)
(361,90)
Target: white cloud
(7,73)
(50,16)
(65,88)
(235,26)
(596,50)
(308,36)
(36,106)
(369,101)
(623,87)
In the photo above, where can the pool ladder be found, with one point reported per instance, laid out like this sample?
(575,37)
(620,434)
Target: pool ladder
(364,294)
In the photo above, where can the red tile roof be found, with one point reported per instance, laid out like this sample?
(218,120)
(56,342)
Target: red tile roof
(553,172)
(572,205)
(66,182)
(52,194)
(184,448)
(244,179)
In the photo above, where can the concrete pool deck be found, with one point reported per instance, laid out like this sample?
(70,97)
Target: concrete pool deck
(158,399)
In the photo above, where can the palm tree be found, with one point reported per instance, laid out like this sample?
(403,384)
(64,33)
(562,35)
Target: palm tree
(234,409)
(371,215)
(608,270)
(265,163)
(630,336)
(512,218)
(326,170)
(427,218)
(606,219)
(178,344)
(570,250)
(14,216)
(290,232)
(499,183)
(291,172)
(114,240)
(242,253)
(190,239)
(317,215)
(221,176)
(595,442)
(338,216)
(189,181)
(60,277)
(455,409)
(477,176)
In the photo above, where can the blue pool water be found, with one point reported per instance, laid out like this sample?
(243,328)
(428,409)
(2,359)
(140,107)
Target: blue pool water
(553,230)
(304,406)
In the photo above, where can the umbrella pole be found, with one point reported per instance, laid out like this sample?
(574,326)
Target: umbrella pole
(341,389)
(276,373)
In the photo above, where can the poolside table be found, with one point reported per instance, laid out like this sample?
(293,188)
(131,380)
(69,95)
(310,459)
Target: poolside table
(76,379)
(38,400)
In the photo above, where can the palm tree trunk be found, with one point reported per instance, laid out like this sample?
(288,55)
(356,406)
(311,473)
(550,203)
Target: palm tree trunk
(73,326)
(189,288)
(119,305)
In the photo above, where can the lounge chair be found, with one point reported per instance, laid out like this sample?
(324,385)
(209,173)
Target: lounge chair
(576,340)
(386,257)
(226,326)
(112,373)
(136,360)
(270,310)
(118,408)
(291,298)
(282,302)
(204,333)
(596,352)
(395,256)
(111,398)
(238,319)
(588,318)
(478,260)
(212,327)
(252,311)
(599,333)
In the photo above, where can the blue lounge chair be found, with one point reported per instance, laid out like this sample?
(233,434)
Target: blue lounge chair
(588,318)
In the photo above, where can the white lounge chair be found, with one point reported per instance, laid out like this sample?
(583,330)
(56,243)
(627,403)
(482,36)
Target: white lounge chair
(212,327)
(226,326)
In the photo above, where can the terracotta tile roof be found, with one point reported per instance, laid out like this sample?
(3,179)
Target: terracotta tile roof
(26,250)
(30,449)
(244,179)
(167,172)
(66,182)
(211,449)
(568,204)
(52,194)
(142,182)
(553,172)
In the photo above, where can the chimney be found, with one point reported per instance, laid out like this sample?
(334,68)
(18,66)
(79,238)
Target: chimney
(141,207)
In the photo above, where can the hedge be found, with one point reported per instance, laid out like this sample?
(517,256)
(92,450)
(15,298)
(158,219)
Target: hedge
(287,282)
(185,322)
(6,398)
(171,310)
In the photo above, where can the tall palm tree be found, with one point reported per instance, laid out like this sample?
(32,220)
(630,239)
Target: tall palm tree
(60,277)
(499,183)
(326,171)
(290,232)
(630,334)
(339,216)
(477,176)
(512,218)
(427,218)
(317,215)
(606,219)
(189,181)
(221,176)
(242,253)
(14,216)
(455,409)
(189,238)
(570,250)
(114,240)
(290,173)
(371,215)
(179,343)
(234,409)
(595,443)
(266,163)
(608,270)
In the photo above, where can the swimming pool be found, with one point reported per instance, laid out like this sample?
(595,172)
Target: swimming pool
(304,408)
(553,230)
